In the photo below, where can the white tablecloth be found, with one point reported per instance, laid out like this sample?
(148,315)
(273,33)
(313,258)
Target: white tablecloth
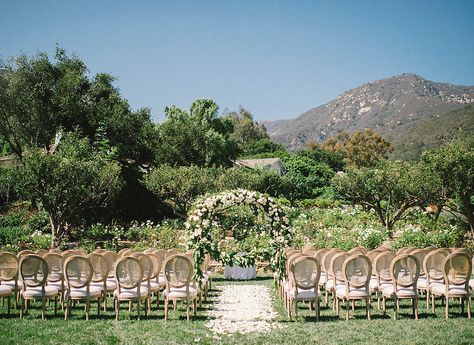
(240,273)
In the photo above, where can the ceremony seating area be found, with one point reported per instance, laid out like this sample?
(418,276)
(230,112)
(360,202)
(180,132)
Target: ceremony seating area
(357,275)
(129,276)
(331,277)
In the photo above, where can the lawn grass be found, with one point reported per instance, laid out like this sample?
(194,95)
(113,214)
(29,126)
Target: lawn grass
(430,329)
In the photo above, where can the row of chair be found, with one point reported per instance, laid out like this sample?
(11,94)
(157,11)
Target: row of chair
(357,274)
(129,276)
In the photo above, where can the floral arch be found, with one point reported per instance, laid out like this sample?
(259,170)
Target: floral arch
(204,216)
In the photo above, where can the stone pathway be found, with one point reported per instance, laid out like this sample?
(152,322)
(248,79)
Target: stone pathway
(242,309)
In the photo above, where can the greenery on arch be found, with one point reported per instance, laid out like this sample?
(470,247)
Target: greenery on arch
(206,214)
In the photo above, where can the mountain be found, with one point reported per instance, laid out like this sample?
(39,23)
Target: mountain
(406,109)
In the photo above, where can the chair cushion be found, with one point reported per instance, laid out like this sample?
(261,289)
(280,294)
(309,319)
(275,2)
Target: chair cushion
(421,283)
(5,291)
(94,291)
(161,281)
(126,294)
(154,286)
(303,294)
(111,286)
(322,279)
(401,292)
(57,285)
(36,292)
(330,284)
(454,290)
(180,293)
(11,284)
(471,283)
(353,292)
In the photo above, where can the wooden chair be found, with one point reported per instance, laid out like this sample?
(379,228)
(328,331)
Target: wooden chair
(383,277)
(34,275)
(129,278)
(357,270)
(457,269)
(100,274)
(335,274)
(304,275)
(433,269)
(56,276)
(405,270)
(9,274)
(78,272)
(178,275)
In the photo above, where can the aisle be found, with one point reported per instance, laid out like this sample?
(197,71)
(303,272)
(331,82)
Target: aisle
(242,309)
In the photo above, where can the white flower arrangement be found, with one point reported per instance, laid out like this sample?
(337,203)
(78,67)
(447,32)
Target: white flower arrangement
(204,217)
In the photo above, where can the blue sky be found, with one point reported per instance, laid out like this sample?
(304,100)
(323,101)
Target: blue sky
(276,58)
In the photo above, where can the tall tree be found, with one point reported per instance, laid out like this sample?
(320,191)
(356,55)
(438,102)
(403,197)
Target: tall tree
(391,189)
(454,167)
(198,137)
(362,148)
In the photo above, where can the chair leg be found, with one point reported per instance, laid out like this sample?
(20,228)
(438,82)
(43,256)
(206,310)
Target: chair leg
(416,308)
(296,307)
(367,306)
(432,303)
(43,307)
(469,306)
(395,307)
(187,309)
(55,305)
(158,299)
(289,308)
(317,309)
(9,304)
(22,302)
(347,309)
(195,306)
(353,304)
(166,308)
(447,307)
(384,302)
(138,308)
(98,306)
(461,300)
(427,299)
(87,308)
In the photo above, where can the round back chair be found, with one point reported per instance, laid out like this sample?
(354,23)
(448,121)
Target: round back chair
(357,270)
(99,251)
(305,272)
(319,256)
(100,268)
(78,271)
(433,265)
(457,269)
(358,250)
(55,251)
(25,252)
(172,251)
(156,265)
(405,270)
(382,263)
(326,260)
(55,265)
(128,273)
(310,252)
(111,258)
(178,271)
(33,271)
(121,252)
(336,267)
(8,267)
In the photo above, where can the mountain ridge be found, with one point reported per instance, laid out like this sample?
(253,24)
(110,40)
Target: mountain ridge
(392,106)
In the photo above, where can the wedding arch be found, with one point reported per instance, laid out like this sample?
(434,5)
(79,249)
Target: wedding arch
(205,215)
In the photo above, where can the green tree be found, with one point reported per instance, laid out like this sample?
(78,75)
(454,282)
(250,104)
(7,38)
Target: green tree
(42,99)
(361,149)
(391,189)
(453,166)
(245,129)
(69,182)
(331,158)
(198,137)
(304,178)
(179,186)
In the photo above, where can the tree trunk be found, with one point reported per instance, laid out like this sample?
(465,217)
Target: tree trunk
(55,231)
(468,212)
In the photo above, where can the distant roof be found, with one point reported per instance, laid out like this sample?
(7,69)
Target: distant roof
(257,163)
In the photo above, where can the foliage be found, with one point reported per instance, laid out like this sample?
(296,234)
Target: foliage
(69,182)
(6,186)
(453,165)
(204,219)
(179,186)
(264,148)
(361,149)
(246,132)
(332,158)
(43,99)
(198,137)
(441,237)
(304,177)
(391,189)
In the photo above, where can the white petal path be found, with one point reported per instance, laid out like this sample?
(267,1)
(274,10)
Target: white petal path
(242,309)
